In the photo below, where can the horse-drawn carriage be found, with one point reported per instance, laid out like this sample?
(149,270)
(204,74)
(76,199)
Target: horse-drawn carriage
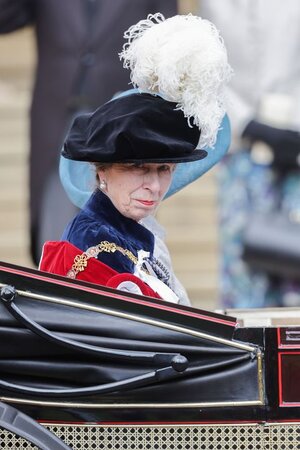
(103,369)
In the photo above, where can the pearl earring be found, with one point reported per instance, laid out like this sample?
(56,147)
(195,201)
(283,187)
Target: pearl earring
(102,184)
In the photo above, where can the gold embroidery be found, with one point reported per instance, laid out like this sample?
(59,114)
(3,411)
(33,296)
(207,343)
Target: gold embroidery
(81,261)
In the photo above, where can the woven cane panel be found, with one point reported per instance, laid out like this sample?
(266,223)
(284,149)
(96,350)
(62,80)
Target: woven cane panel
(208,437)
(10,441)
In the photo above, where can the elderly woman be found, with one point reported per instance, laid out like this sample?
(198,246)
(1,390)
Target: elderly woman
(135,142)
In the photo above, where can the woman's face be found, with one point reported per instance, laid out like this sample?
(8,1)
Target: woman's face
(136,190)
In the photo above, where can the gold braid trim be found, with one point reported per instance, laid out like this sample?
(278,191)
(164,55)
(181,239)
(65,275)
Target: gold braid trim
(81,261)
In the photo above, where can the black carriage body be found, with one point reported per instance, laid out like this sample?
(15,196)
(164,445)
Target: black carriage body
(235,375)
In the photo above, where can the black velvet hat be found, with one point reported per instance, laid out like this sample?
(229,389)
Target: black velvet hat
(138,128)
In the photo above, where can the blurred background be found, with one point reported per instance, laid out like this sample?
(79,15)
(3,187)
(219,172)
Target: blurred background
(17,60)
(54,63)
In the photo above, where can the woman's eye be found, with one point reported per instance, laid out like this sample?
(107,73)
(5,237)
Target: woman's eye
(135,167)
(164,168)
(138,166)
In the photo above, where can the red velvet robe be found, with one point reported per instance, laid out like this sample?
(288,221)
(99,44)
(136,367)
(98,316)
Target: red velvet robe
(58,258)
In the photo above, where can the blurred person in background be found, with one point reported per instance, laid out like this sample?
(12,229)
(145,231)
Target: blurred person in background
(77,69)
(261,173)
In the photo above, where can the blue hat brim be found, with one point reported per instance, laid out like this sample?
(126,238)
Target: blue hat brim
(188,172)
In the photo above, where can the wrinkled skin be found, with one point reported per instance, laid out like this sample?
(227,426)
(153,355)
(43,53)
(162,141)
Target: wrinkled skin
(136,190)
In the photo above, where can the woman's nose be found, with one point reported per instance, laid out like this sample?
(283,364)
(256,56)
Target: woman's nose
(152,181)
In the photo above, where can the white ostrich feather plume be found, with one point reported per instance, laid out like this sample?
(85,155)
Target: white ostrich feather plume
(184,59)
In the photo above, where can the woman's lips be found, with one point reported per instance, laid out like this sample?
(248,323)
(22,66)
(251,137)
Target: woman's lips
(147,202)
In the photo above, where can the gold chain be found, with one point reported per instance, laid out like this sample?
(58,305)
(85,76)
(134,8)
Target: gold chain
(81,261)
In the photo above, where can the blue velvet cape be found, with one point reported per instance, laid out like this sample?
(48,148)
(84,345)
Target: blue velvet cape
(100,221)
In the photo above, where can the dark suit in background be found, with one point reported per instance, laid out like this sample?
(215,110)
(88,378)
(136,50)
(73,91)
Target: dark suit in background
(78,69)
